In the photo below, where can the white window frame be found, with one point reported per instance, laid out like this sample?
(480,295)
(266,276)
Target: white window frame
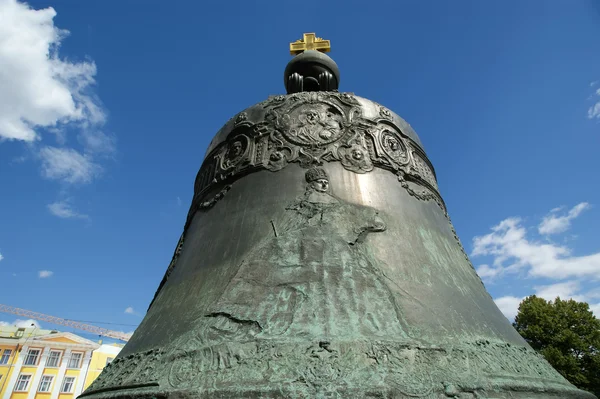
(37,357)
(60,353)
(26,385)
(2,358)
(62,386)
(78,363)
(49,384)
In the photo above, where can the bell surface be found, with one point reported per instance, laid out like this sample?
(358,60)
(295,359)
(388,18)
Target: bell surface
(318,261)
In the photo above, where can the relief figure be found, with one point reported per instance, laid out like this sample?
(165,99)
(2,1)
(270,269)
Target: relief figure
(315,278)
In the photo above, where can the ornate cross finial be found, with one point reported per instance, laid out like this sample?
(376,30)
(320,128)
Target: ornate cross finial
(310,42)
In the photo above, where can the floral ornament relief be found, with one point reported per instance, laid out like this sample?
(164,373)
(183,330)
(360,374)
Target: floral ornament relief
(183,371)
(241,117)
(355,158)
(424,171)
(385,113)
(419,192)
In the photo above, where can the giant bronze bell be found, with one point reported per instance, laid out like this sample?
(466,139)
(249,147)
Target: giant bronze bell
(318,261)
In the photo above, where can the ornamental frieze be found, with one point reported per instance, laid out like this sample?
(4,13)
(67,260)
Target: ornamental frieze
(424,170)
(464,370)
(134,370)
(310,128)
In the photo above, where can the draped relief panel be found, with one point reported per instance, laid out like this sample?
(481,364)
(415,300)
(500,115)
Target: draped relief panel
(314,277)
(310,128)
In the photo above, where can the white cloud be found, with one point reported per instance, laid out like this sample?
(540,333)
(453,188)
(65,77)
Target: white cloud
(595,293)
(569,290)
(129,310)
(45,273)
(64,209)
(26,323)
(553,223)
(42,93)
(564,290)
(594,110)
(509,305)
(513,251)
(38,89)
(485,271)
(1,257)
(97,142)
(68,165)
(18,160)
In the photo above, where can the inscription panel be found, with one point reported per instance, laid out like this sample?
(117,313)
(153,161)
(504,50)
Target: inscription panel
(309,368)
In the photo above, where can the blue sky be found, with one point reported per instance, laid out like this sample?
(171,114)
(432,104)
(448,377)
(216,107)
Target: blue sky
(107,107)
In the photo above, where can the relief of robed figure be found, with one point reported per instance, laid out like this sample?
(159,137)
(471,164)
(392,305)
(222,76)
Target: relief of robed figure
(315,278)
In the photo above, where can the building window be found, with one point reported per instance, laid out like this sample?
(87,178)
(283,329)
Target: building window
(109,360)
(32,357)
(23,383)
(45,383)
(75,360)
(5,356)
(53,359)
(67,385)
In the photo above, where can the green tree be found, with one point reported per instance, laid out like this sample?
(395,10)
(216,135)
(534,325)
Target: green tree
(567,334)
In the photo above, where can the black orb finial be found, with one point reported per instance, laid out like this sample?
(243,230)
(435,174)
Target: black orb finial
(311,70)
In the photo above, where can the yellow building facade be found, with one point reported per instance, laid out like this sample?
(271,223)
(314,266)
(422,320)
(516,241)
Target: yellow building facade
(45,364)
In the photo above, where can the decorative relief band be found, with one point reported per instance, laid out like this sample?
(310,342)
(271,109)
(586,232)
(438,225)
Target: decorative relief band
(310,128)
(311,366)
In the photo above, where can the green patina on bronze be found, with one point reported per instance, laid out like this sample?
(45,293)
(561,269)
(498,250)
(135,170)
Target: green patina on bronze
(318,261)
(312,278)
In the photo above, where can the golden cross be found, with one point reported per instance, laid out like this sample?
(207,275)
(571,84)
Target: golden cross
(310,42)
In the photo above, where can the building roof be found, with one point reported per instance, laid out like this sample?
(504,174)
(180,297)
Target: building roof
(19,333)
(35,336)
